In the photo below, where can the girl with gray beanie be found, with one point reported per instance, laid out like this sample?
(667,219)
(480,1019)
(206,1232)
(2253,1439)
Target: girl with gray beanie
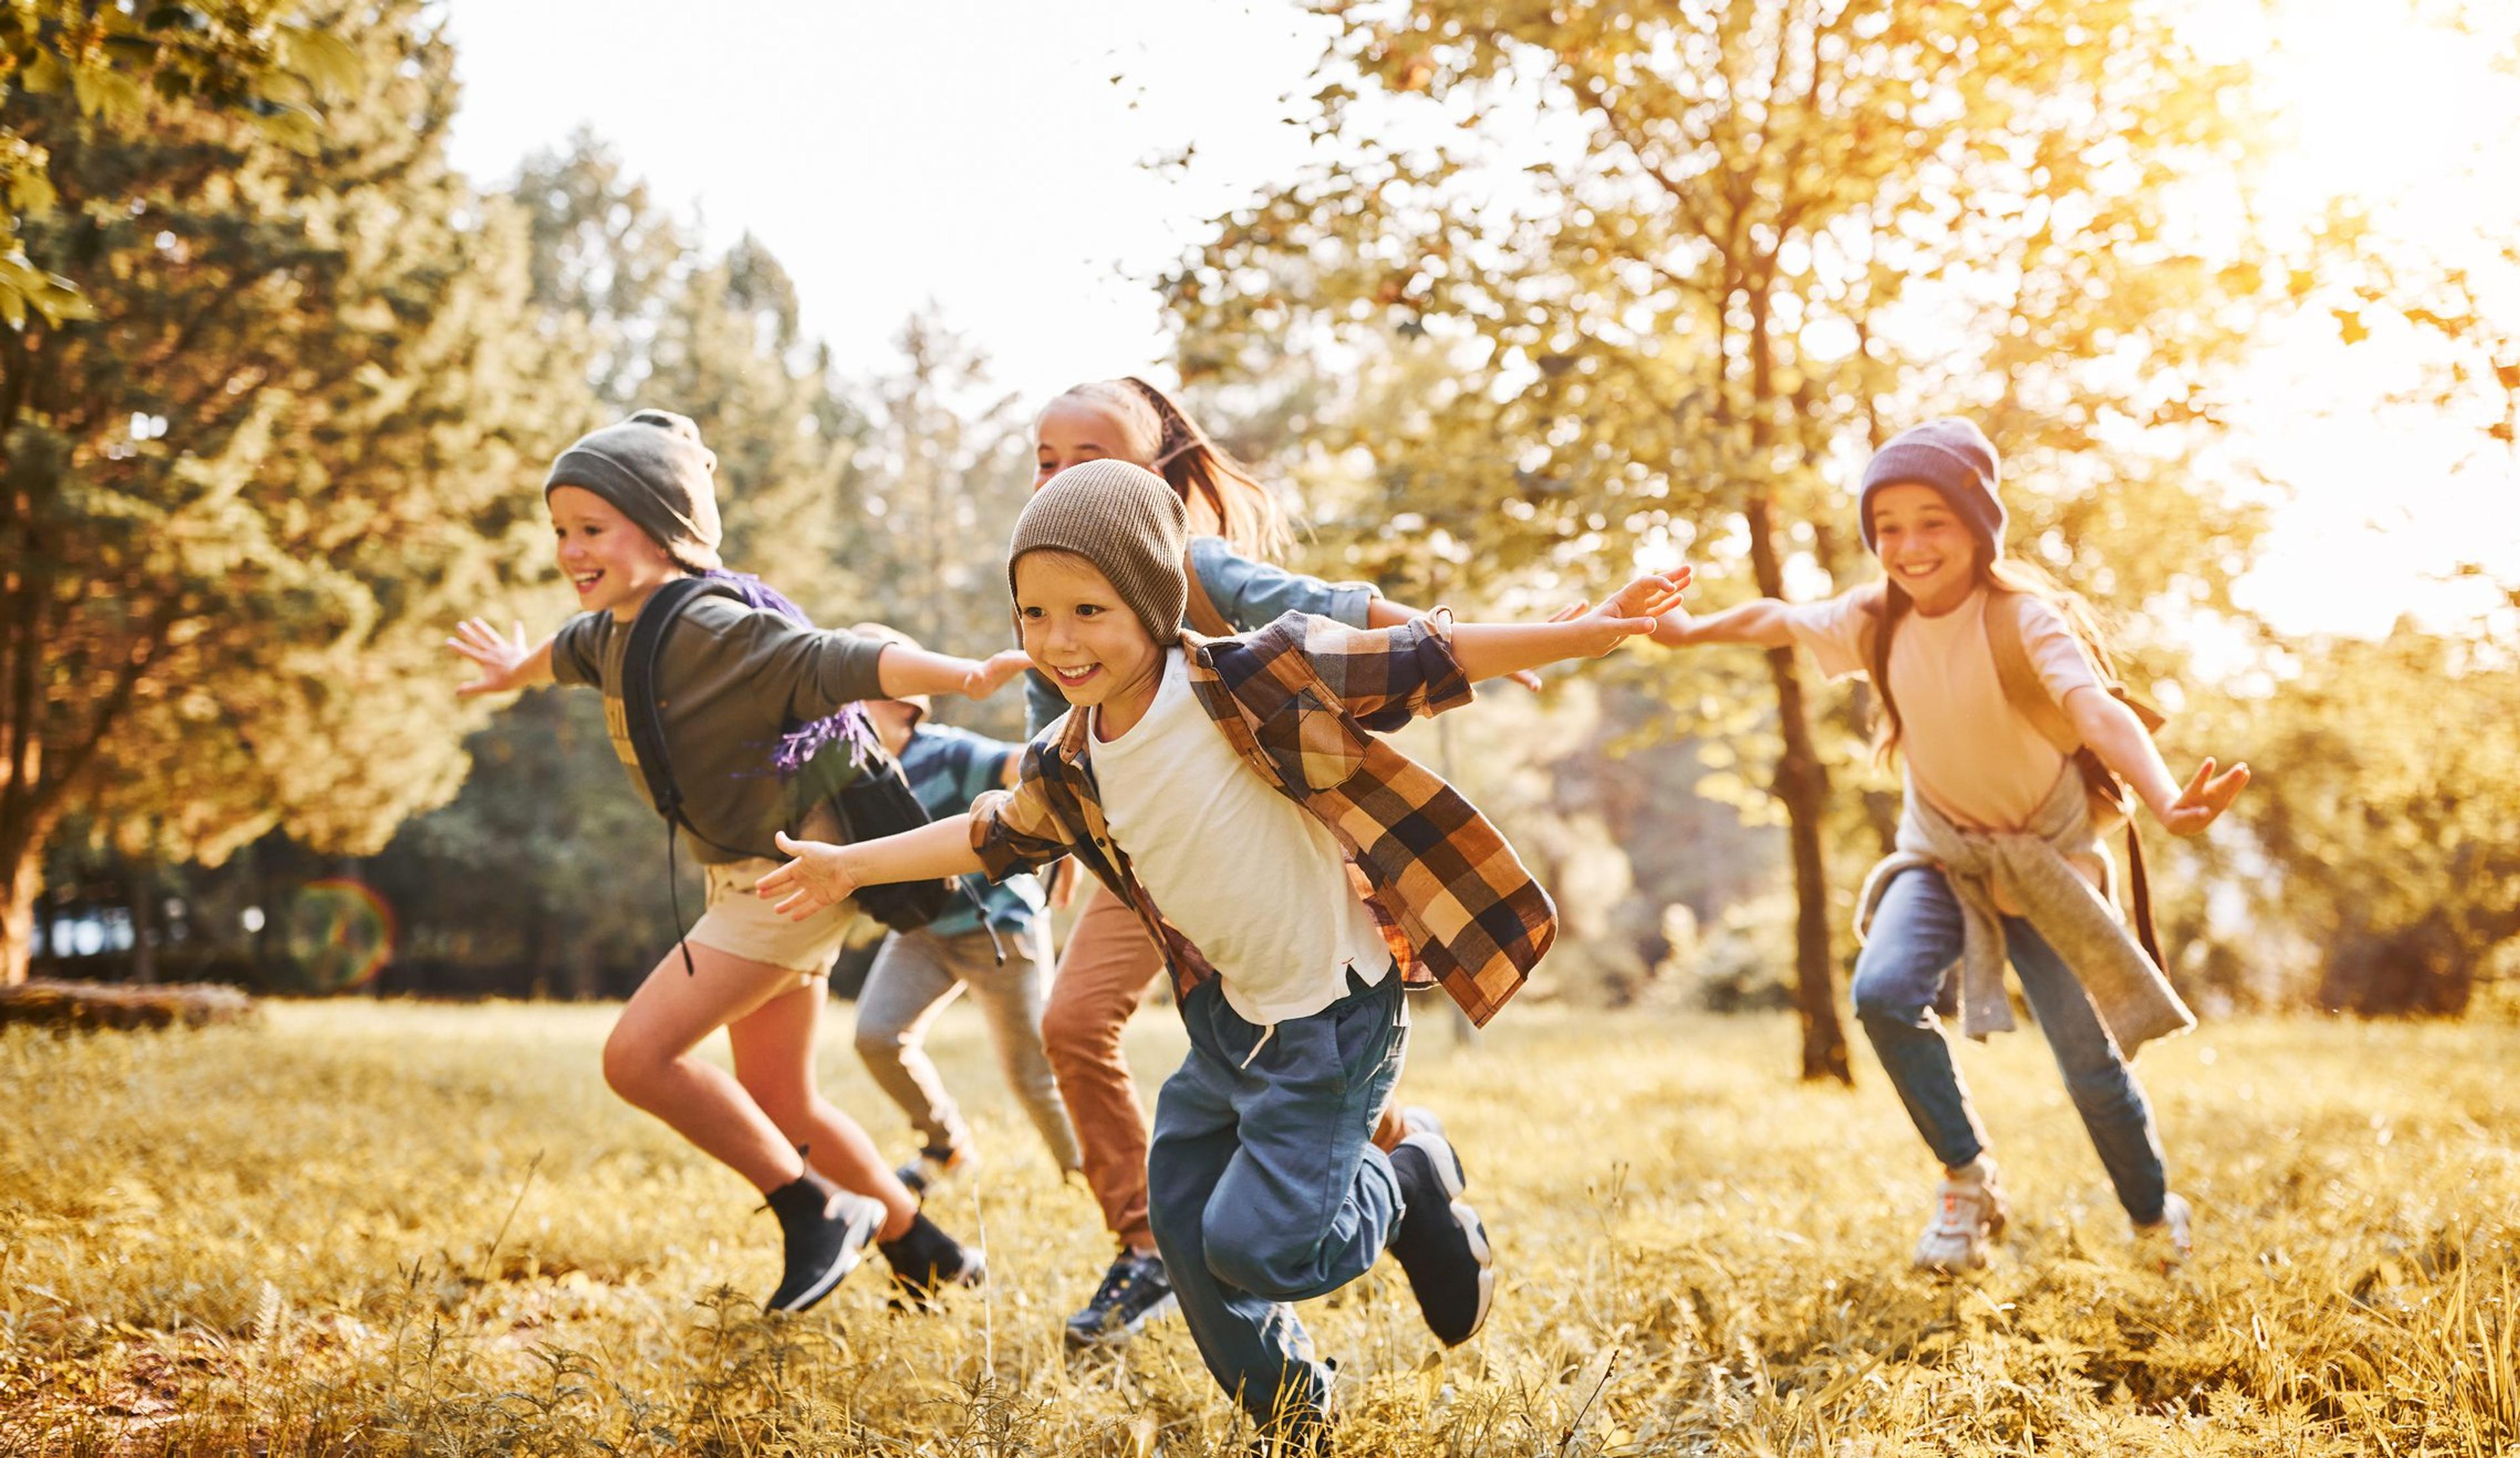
(633,507)
(2019,750)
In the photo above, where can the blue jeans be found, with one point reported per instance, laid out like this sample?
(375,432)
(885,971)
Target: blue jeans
(1264,1186)
(1916,939)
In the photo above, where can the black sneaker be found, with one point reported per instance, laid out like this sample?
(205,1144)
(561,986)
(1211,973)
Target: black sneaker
(1135,1290)
(826,1236)
(926,1259)
(1440,1242)
(926,1173)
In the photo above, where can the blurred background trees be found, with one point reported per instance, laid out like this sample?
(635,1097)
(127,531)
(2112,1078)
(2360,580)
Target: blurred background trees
(1573,285)
(1685,267)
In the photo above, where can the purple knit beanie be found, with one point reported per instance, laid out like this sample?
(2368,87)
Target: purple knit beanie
(1952,456)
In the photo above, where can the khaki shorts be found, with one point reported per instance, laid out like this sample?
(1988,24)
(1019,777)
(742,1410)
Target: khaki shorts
(740,924)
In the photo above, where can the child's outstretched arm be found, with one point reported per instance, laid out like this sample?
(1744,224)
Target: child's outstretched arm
(507,661)
(905,671)
(1491,650)
(823,875)
(1383,612)
(1759,621)
(2118,737)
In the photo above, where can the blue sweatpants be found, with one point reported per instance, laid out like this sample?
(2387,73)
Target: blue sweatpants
(1264,1187)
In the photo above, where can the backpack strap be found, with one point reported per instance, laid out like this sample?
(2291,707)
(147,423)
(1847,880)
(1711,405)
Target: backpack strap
(643,714)
(1204,618)
(2023,688)
(2028,695)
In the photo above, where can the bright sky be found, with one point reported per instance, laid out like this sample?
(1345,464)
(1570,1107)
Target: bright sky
(988,155)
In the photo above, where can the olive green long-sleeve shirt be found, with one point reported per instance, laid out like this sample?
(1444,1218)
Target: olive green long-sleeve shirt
(732,679)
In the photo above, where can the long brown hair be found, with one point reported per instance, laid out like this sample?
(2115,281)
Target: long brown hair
(1171,443)
(1999,575)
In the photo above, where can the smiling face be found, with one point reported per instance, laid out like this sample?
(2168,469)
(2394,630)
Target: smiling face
(610,562)
(1078,632)
(1924,547)
(1072,431)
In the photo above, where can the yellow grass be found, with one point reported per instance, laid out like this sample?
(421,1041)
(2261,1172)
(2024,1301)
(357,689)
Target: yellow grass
(385,1228)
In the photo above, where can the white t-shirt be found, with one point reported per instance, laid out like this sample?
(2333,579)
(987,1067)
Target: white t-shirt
(1968,750)
(1258,886)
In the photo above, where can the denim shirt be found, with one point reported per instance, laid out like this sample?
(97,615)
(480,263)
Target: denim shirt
(1250,594)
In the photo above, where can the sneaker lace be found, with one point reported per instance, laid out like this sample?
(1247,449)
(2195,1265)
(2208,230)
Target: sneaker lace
(1962,1212)
(1116,1282)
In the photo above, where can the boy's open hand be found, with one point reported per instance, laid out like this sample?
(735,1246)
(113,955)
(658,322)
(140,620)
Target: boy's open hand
(504,660)
(1633,610)
(817,877)
(993,672)
(2207,796)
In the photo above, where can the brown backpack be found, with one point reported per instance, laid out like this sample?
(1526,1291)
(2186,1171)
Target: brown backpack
(2112,802)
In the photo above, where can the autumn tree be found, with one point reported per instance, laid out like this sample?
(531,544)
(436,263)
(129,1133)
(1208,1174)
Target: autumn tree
(1689,264)
(123,67)
(246,496)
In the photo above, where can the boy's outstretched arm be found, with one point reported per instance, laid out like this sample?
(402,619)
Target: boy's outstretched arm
(1383,612)
(508,661)
(1490,650)
(823,875)
(903,672)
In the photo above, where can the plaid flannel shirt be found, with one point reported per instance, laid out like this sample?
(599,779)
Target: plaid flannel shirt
(1300,699)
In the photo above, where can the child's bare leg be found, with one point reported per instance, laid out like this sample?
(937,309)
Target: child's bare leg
(774,1062)
(648,1060)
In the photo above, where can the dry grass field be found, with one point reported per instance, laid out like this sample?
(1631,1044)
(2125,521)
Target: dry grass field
(364,1228)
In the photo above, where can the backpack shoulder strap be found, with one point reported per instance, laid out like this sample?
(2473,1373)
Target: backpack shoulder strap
(1203,618)
(2023,688)
(642,707)
(1870,598)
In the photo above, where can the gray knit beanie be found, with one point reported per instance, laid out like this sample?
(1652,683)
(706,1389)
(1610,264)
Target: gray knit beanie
(653,469)
(1128,522)
(1952,456)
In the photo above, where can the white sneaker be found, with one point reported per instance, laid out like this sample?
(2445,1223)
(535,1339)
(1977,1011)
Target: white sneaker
(2167,1243)
(1968,1213)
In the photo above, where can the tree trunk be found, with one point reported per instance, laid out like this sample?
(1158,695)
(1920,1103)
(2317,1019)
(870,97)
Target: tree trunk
(140,895)
(1802,787)
(18,915)
(1802,779)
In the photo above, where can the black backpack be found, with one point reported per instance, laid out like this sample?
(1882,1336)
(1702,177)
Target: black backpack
(861,783)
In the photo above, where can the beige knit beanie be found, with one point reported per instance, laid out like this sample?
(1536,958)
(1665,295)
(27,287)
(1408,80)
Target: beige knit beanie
(652,469)
(1126,521)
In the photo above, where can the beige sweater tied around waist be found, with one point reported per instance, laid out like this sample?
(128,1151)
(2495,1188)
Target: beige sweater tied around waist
(2033,868)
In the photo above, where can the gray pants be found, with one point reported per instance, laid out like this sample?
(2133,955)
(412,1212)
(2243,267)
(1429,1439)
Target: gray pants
(915,976)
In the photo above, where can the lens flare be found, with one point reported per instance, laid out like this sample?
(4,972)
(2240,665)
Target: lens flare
(339,933)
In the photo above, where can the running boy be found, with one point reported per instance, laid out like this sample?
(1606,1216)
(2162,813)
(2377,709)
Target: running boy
(1109,960)
(1296,870)
(633,507)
